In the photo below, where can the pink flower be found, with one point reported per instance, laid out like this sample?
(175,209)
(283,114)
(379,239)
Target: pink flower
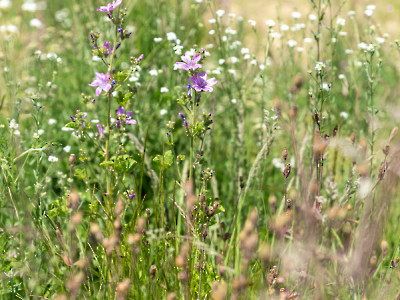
(110,6)
(101,82)
(189,63)
(200,82)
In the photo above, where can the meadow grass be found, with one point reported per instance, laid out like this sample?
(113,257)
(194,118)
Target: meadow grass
(266,166)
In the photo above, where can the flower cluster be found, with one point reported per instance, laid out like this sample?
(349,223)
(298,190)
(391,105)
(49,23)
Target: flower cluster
(110,6)
(124,117)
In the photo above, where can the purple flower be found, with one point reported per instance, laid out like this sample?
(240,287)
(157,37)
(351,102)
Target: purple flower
(72,118)
(131,196)
(110,6)
(189,63)
(101,82)
(120,110)
(200,82)
(108,48)
(127,116)
(189,87)
(184,120)
(101,129)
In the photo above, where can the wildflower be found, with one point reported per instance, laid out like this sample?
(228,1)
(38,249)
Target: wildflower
(110,6)
(189,87)
(296,15)
(221,61)
(107,48)
(319,66)
(153,72)
(72,118)
(178,49)
(171,36)
(52,121)
(220,12)
(291,43)
(344,115)
(252,23)
(270,23)
(127,117)
(284,27)
(35,23)
(211,32)
(189,63)
(53,158)
(234,59)
(340,22)
(67,148)
(164,89)
(157,39)
(184,120)
(101,82)
(100,127)
(312,17)
(200,82)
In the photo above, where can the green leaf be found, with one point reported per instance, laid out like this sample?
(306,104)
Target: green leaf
(80,173)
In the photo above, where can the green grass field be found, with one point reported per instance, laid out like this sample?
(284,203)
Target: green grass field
(180,150)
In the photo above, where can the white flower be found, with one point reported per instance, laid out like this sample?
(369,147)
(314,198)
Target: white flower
(300,49)
(362,46)
(153,72)
(371,7)
(13,124)
(342,33)
(221,61)
(35,23)
(52,121)
(275,35)
(253,62)
(308,40)
(67,148)
(340,22)
(95,121)
(29,6)
(277,162)
(348,51)
(326,86)
(284,27)
(246,56)
(157,39)
(270,23)
(351,13)
(198,1)
(36,135)
(312,17)
(5,3)
(368,12)
(371,48)
(178,49)
(244,50)
(53,158)
(164,90)
(291,43)
(212,21)
(224,38)
(334,40)
(296,15)
(344,115)
(234,59)
(233,101)
(230,31)
(341,76)
(380,40)
(220,12)
(163,112)
(211,32)
(217,71)
(67,129)
(40,131)
(232,71)
(319,66)
(262,67)
(252,23)
(171,36)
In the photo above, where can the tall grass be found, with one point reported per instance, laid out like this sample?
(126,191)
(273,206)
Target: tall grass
(281,182)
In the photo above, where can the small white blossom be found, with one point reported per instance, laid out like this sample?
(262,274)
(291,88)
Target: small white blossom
(348,51)
(368,12)
(53,158)
(164,90)
(275,35)
(252,23)
(342,33)
(284,27)
(340,22)
(341,76)
(40,131)
(67,148)
(291,43)
(380,40)
(296,15)
(52,121)
(234,59)
(351,13)
(246,56)
(344,115)
(253,62)
(153,72)
(319,66)
(270,23)
(157,39)
(178,49)
(212,21)
(312,17)
(163,112)
(220,12)
(171,36)
(35,23)
(221,61)
(211,32)
(326,86)
(13,124)
(5,3)
(234,101)
(308,40)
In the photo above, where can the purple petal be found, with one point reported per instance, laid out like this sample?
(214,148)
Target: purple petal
(120,110)
(131,122)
